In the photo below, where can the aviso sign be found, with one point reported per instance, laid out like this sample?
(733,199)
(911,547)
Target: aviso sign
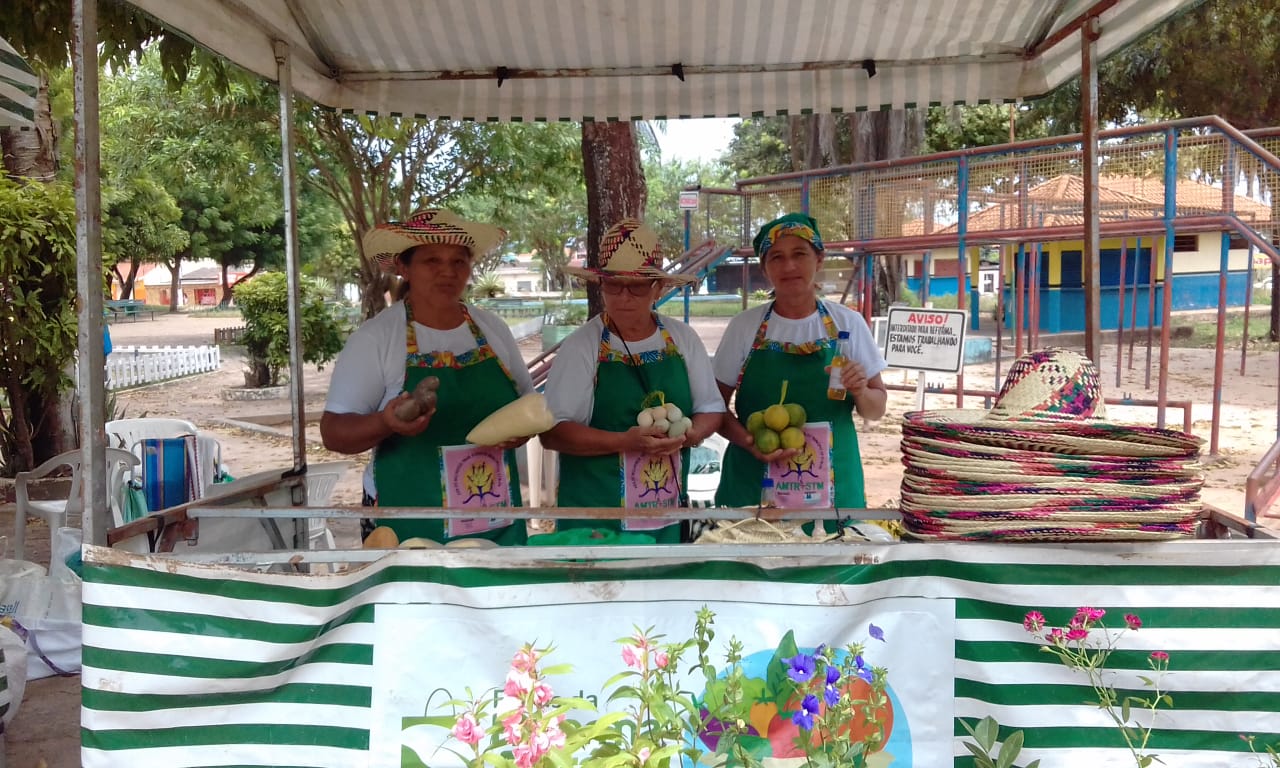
(925,339)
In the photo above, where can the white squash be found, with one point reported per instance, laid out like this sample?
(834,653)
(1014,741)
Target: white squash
(524,417)
(673,412)
(644,418)
(679,426)
(661,424)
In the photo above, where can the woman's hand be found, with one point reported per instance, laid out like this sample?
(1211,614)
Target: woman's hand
(853,377)
(651,441)
(398,425)
(512,444)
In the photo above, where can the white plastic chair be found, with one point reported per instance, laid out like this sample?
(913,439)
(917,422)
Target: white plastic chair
(321,480)
(58,512)
(129,433)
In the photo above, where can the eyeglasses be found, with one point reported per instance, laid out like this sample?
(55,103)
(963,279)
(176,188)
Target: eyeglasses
(639,290)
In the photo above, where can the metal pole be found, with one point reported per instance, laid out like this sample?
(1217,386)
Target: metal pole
(999,318)
(927,261)
(284,72)
(1124,252)
(1089,120)
(962,273)
(688,224)
(1151,308)
(1248,301)
(1133,310)
(1219,352)
(746,240)
(1166,304)
(1019,299)
(90,366)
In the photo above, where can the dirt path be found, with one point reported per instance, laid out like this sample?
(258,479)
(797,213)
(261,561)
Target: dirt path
(47,725)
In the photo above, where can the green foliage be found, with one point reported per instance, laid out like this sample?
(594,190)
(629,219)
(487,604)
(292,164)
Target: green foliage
(488,285)
(985,754)
(761,146)
(37,317)
(983,125)
(264,304)
(662,210)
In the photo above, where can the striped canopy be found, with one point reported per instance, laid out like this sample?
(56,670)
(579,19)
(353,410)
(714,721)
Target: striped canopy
(17,89)
(642,59)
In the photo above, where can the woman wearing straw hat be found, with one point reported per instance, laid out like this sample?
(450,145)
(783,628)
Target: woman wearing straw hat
(792,340)
(472,355)
(619,363)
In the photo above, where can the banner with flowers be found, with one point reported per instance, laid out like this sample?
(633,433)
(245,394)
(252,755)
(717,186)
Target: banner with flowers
(801,663)
(197,664)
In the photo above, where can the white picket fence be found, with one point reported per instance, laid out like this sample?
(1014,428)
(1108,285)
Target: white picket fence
(132,366)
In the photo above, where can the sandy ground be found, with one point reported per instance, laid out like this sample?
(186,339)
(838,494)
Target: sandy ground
(46,731)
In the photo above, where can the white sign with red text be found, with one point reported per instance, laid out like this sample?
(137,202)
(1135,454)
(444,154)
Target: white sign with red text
(925,339)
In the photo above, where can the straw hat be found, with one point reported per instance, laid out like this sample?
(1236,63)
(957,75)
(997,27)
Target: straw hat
(629,251)
(1044,464)
(386,242)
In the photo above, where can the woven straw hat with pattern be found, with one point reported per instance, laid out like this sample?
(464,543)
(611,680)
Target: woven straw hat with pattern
(387,241)
(1044,464)
(629,251)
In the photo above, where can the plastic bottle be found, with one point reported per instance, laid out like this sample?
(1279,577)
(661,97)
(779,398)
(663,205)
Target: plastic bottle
(766,493)
(844,351)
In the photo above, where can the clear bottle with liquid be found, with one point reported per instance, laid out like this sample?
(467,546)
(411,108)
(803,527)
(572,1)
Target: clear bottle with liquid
(844,352)
(767,498)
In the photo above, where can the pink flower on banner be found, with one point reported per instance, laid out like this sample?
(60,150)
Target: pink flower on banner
(1086,616)
(1132,621)
(518,684)
(661,660)
(512,725)
(630,658)
(1077,633)
(466,729)
(526,755)
(525,659)
(1159,656)
(642,642)
(1056,636)
(643,754)
(1033,622)
(542,694)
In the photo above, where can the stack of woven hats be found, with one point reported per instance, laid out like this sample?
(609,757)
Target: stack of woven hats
(1045,464)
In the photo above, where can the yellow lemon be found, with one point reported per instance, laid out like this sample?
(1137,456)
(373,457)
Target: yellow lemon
(777,418)
(755,421)
(792,437)
(767,441)
(796,415)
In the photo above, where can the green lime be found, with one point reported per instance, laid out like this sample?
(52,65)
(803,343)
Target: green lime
(792,437)
(755,421)
(796,414)
(776,417)
(767,441)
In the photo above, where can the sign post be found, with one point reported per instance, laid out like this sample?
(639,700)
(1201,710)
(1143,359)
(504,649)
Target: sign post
(689,200)
(925,340)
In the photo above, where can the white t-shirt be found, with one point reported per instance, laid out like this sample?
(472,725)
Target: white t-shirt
(571,382)
(370,370)
(741,334)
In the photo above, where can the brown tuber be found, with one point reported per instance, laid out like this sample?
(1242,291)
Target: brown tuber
(422,400)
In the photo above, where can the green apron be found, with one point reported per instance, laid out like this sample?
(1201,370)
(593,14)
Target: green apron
(407,470)
(596,481)
(759,386)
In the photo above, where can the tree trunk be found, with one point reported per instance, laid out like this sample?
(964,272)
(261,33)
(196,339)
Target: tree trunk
(887,135)
(615,186)
(33,153)
(175,281)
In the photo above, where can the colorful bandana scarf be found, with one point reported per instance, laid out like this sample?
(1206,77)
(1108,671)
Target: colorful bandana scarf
(794,224)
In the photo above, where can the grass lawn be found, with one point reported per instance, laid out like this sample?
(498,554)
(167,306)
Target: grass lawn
(1204,333)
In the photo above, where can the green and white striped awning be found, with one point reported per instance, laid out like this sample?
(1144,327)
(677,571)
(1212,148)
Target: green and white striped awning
(625,59)
(17,89)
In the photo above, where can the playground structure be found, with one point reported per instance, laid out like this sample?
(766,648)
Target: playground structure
(961,201)
(192,659)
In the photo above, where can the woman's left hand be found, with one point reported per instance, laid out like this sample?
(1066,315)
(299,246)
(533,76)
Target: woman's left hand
(854,378)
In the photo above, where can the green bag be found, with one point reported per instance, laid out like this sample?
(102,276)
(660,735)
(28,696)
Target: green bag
(135,502)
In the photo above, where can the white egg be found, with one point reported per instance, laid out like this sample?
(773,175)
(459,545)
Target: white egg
(644,418)
(673,412)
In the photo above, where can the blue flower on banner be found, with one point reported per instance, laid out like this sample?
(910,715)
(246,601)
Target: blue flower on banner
(809,708)
(801,667)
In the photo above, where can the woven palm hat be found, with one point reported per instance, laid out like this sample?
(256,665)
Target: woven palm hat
(629,251)
(386,242)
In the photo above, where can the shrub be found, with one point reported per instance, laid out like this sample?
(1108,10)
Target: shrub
(38,321)
(264,304)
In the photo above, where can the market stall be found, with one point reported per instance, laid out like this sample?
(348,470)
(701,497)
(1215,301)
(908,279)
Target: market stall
(205,660)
